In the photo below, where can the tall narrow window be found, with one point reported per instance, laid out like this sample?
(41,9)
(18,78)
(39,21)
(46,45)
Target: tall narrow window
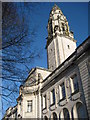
(62,91)
(44,102)
(53,96)
(66,114)
(68,46)
(29,106)
(63,28)
(74,83)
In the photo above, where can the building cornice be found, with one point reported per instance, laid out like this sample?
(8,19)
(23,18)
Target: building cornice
(70,60)
(49,40)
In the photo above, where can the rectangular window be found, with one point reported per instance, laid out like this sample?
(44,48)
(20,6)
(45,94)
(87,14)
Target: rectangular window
(74,83)
(14,115)
(62,91)
(44,102)
(29,106)
(63,27)
(53,96)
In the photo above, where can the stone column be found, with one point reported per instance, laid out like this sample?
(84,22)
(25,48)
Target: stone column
(70,114)
(62,115)
(56,96)
(75,114)
(48,99)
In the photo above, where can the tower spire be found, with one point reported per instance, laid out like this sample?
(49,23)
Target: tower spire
(55,7)
(58,23)
(59,36)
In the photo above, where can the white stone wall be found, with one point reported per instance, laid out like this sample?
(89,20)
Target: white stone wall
(64,51)
(60,43)
(32,114)
(44,73)
(29,93)
(58,51)
(69,102)
(51,56)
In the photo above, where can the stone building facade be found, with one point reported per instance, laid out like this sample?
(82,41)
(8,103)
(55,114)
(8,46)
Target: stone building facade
(62,90)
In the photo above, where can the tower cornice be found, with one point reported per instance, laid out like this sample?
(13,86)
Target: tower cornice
(49,40)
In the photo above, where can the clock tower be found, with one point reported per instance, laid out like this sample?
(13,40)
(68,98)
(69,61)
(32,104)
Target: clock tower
(60,41)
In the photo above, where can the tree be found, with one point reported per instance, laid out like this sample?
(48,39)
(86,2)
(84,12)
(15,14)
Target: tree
(17,50)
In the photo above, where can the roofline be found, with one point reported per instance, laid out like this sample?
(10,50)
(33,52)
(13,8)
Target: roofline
(33,70)
(43,69)
(68,57)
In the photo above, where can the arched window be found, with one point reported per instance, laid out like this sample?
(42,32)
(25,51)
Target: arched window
(63,27)
(54,116)
(45,118)
(66,114)
(59,117)
(81,110)
(56,28)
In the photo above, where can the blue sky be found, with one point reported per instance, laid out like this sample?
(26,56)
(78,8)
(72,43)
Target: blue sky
(77,16)
(37,17)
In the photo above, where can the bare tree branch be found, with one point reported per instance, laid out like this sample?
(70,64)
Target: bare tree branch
(17,48)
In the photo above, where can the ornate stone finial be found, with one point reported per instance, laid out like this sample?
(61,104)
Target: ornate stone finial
(55,7)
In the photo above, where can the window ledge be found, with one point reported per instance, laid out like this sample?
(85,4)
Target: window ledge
(28,112)
(52,106)
(75,92)
(62,101)
(76,96)
(44,110)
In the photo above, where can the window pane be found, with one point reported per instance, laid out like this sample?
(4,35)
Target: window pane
(63,91)
(75,82)
(52,96)
(44,102)
(29,106)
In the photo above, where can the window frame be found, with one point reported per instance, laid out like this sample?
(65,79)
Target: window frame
(68,46)
(61,96)
(73,89)
(29,105)
(44,101)
(63,27)
(52,97)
